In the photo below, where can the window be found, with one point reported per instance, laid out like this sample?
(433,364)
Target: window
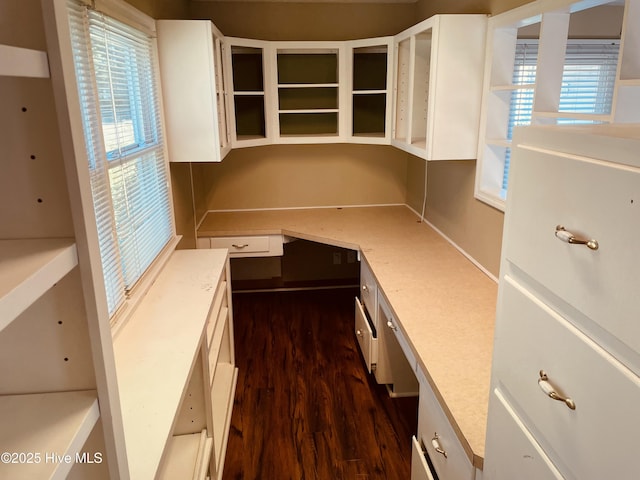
(116,75)
(588,79)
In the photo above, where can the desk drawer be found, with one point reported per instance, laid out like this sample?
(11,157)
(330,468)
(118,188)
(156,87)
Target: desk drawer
(515,454)
(600,437)
(593,200)
(437,435)
(369,291)
(420,469)
(368,343)
(250,245)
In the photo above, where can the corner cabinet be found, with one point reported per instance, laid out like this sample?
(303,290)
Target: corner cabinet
(438,74)
(565,381)
(191,56)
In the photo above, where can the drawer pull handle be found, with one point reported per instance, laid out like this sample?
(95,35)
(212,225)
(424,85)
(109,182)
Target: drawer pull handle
(359,333)
(364,288)
(239,245)
(392,326)
(435,441)
(550,391)
(569,237)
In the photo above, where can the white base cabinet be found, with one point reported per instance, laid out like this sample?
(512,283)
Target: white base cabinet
(565,385)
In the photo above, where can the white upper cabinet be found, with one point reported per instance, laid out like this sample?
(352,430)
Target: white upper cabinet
(245,73)
(191,65)
(369,102)
(438,75)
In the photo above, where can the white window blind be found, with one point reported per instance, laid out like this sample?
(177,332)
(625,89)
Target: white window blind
(588,81)
(115,70)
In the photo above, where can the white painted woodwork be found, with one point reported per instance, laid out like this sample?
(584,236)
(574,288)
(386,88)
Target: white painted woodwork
(560,311)
(187,457)
(23,62)
(419,467)
(188,51)
(250,245)
(518,455)
(433,423)
(578,368)
(171,318)
(45,424)
(28,268)
(393,367)
(369,292)
(222,395)
(381,44)
(367,342)
(438,87)
(592,199)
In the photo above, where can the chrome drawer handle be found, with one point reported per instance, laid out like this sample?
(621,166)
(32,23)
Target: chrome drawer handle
(435,441)
(239,245)
(364,288)
(359,333)
(569,237)
(392,326)
(550,391)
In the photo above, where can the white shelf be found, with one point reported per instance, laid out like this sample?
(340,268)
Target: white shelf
(187,457)
(508,88)
(46,424)
(498,142)
(222,394)
(310,110)
(23,62)
(307,85)
(573,115)
(369,92)
(249,93)
(28,268)
(156,351)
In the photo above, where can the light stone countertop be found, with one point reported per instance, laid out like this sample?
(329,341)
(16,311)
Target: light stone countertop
(444,303)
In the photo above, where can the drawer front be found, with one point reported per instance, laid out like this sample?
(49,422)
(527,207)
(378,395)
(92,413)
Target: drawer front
(389,322)
(250,246)
(369,291)
(436,433)
(419,467)
(600,437)
(364,334)
(512,452)
(593,200)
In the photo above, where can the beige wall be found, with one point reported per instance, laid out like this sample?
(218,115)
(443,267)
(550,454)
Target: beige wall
(163,8)
(285,176)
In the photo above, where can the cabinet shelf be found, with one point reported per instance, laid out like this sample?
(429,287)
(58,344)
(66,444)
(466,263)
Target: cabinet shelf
(46,424)
(23,62)
(307,85)
(511,88)
(311,110)
(28,268)
(187,456)
(574,116)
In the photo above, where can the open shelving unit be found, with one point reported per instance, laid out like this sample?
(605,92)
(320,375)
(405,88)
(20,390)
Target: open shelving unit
(308,91)
(370,71)
(50,405)
(246,76)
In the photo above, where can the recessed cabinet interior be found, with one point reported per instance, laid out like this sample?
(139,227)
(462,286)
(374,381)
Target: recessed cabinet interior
(371,77)
(246,74)
(308,92)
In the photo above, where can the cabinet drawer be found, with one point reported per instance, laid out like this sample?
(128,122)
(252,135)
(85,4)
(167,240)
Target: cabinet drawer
(368,343)
(512,452)
(435,432)
(591,199)
(602,434)
(250,246)
(420,469)
(369,291)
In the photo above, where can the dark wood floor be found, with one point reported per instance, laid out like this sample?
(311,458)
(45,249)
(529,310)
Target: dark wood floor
(305,407)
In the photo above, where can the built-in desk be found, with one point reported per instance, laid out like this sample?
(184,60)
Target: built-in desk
(445,304)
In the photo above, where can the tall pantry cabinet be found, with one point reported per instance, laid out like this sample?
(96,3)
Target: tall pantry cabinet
(565,382)
(58,392)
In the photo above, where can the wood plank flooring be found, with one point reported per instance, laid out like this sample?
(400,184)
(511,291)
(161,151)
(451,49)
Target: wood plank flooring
(305,407)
